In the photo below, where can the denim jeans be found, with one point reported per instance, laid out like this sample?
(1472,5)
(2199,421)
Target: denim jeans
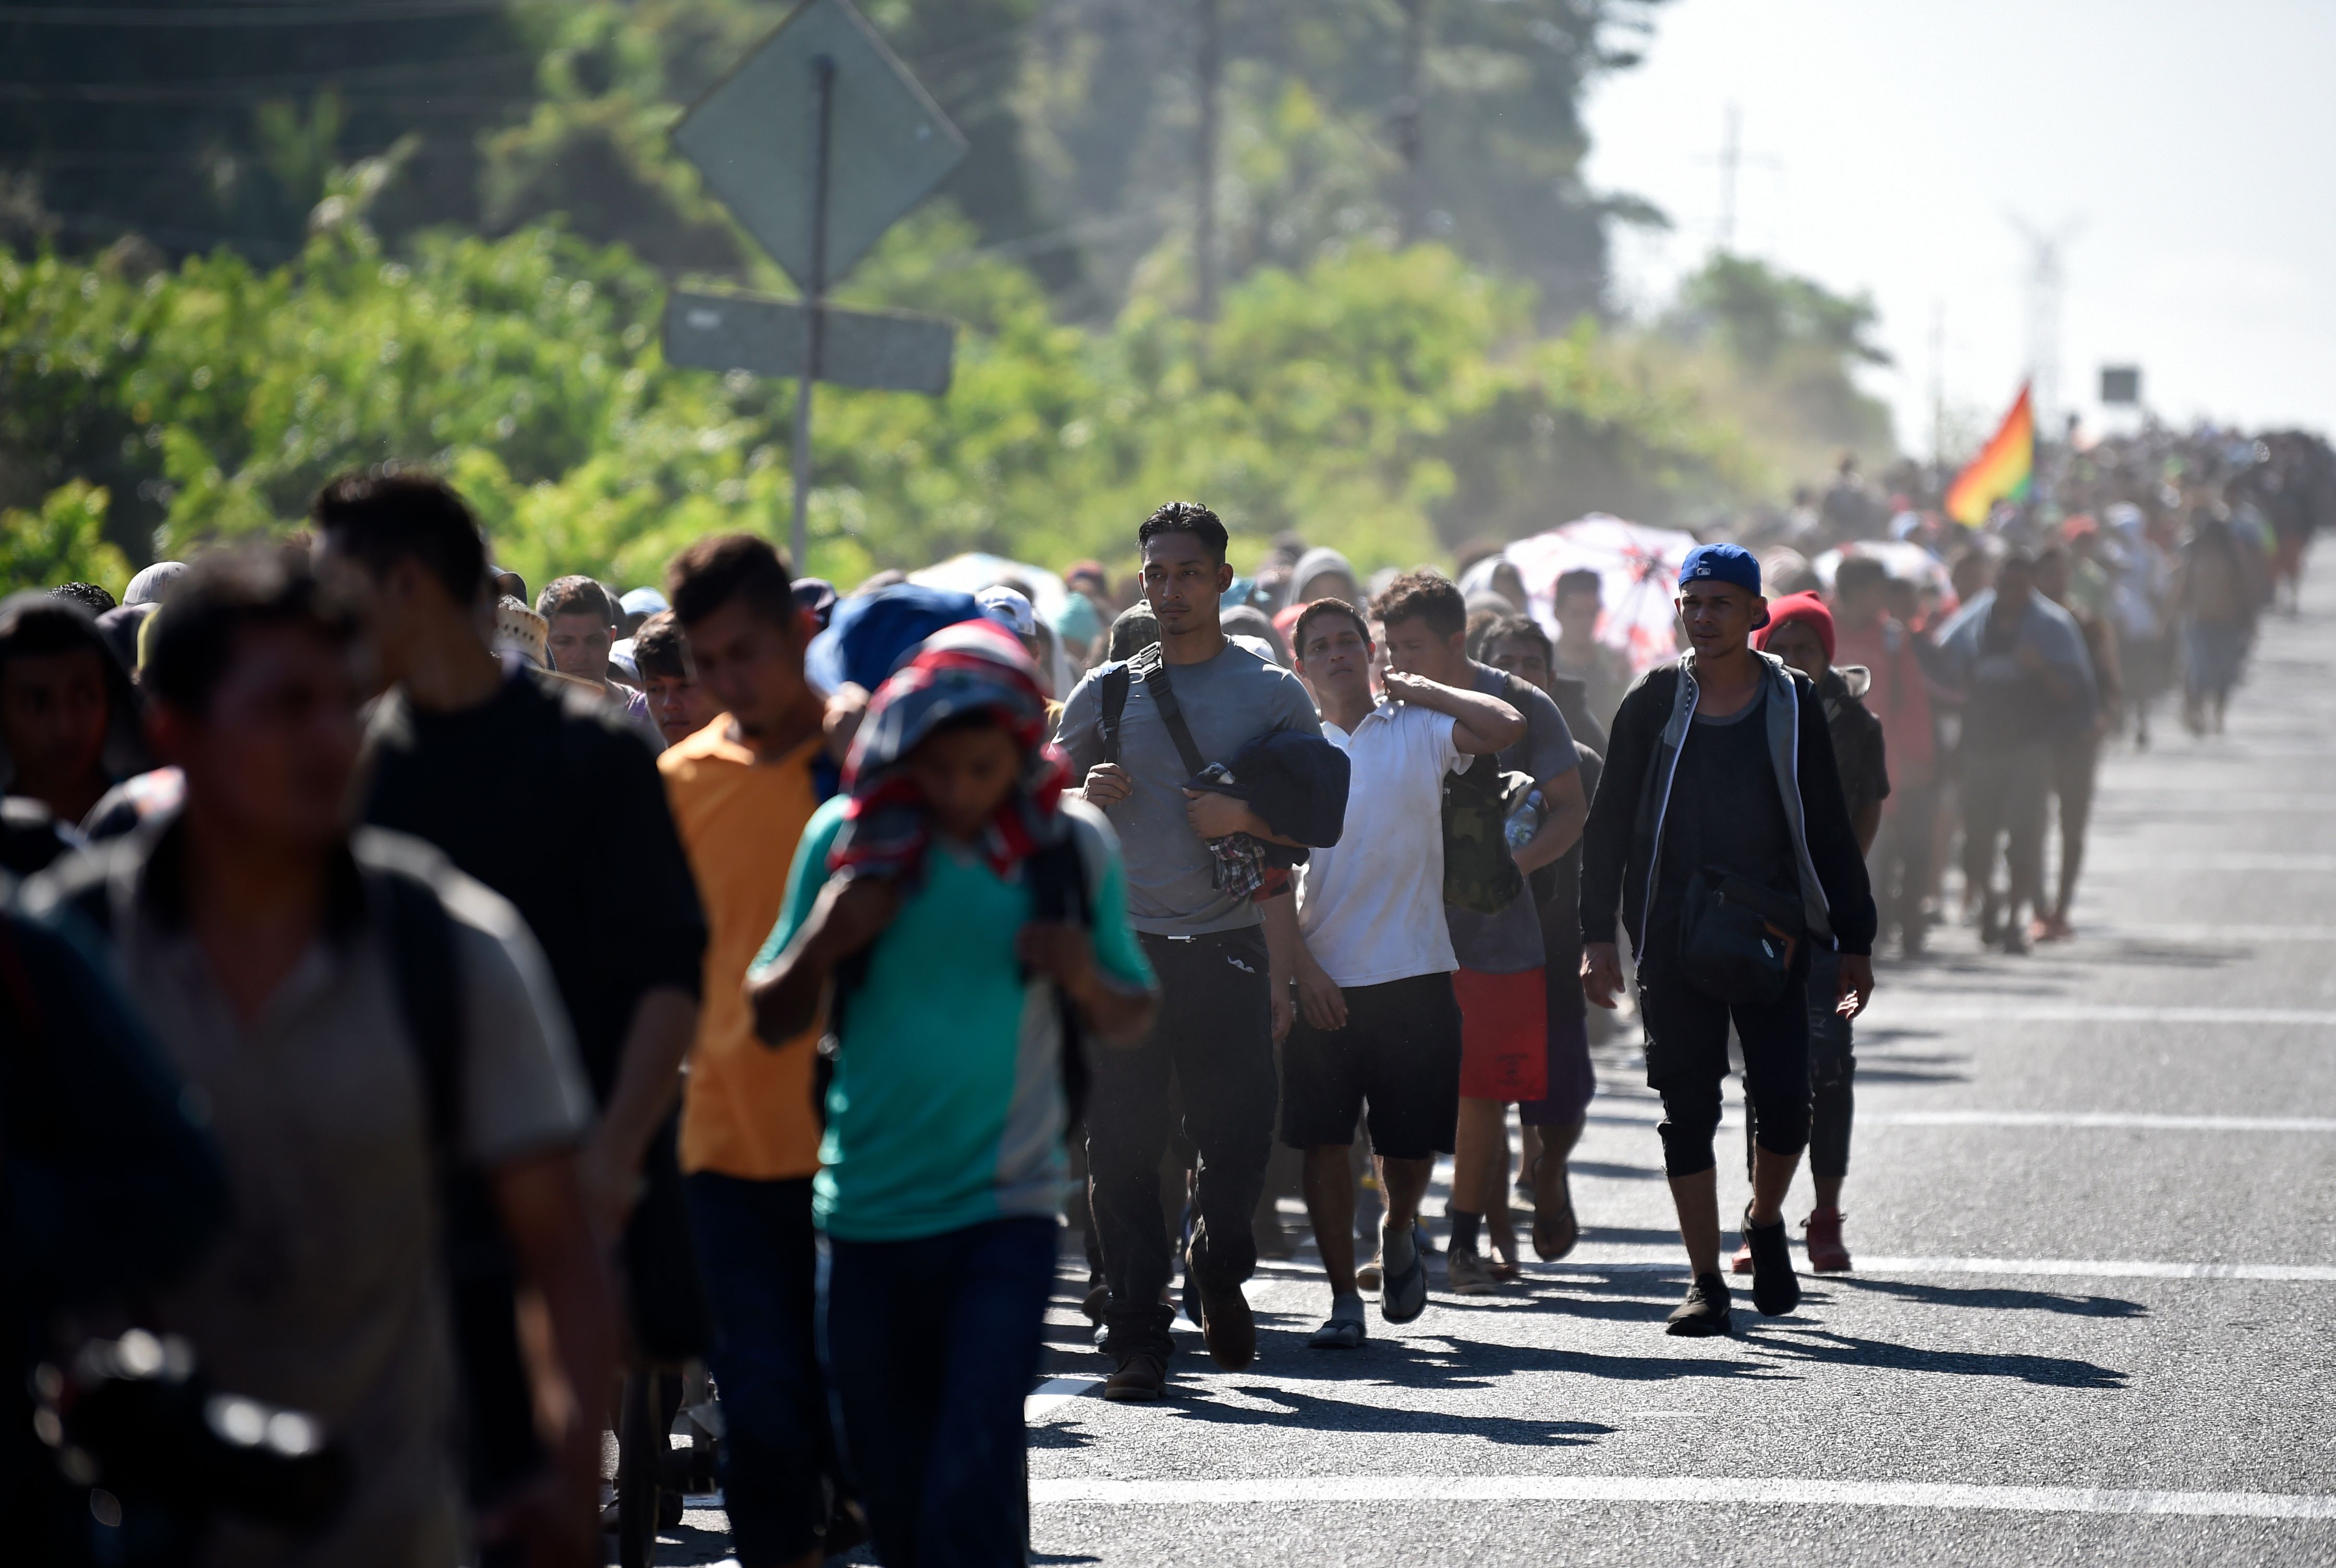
(930,1347)
(1212,1047)
(758,1257)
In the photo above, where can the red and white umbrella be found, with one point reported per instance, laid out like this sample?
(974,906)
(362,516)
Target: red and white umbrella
(1638,571)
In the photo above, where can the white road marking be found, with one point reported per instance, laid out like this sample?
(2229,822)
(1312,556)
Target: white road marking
(2103,1120)
(1054,1393)
(2217,860)
(2111,1121)
(2069,1268)
(1754,1490)
(1927,1011)
(2216,932)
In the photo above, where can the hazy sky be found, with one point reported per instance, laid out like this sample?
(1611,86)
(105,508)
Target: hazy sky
(1887,143)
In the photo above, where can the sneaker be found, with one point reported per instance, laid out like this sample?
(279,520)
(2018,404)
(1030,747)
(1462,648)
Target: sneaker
(1227,1325)
(1704,1314)
(1098,1297)
(1741,1263)
(1776,1290)
(1141,1378)
(1465,1272)
(1828,1255)
(1372,1274)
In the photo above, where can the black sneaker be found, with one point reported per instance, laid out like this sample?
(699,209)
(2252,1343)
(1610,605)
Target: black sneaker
(1775,1288)
(1705,1314)
(1141,1378)
(1097,1298)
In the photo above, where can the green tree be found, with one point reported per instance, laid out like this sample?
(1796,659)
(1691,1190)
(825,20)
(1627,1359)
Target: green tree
(63,542)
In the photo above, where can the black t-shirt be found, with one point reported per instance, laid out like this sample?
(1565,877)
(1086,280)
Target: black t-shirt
(1856,747)
(550,797)
(1725,812)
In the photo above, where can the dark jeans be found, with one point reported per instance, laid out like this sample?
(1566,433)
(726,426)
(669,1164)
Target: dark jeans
(1832,1070)
(1214,1046)
(1901,864)
(930,1347)
(2075,765)
(758,1256)
(2005,798)
(1687,1059)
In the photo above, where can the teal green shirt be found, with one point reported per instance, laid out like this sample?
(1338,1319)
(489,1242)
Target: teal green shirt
(947,1106)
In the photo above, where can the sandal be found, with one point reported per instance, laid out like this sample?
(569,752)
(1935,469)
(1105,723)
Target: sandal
(1546,1231)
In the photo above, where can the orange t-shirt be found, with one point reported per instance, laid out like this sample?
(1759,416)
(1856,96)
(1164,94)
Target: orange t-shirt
(747,1110)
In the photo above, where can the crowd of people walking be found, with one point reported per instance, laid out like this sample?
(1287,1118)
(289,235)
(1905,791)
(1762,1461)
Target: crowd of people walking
(430,1008)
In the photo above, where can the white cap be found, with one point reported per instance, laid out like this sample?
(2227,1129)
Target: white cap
(1010,609)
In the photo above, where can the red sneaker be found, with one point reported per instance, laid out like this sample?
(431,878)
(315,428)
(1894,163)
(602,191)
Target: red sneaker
(1741,1263)
(1828,1255)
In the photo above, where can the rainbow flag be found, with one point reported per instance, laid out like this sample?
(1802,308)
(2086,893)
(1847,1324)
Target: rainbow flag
(2003,470)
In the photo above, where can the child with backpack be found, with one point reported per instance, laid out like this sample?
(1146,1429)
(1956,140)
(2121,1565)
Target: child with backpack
(968,924)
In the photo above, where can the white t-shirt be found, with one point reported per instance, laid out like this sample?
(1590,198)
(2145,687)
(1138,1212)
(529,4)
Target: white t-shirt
(1371,906)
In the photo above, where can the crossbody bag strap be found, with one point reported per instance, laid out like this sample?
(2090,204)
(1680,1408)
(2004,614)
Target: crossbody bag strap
(1151,669)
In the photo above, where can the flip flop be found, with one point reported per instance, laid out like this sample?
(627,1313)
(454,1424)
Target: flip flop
(1405,1294)
(1338,1334)
(1544,1246)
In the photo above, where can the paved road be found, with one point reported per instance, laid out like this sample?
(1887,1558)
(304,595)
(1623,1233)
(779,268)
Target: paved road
(2093,1201)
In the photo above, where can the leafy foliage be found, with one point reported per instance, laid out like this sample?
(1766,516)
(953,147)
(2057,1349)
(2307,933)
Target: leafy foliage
(63,542)
(1346,398)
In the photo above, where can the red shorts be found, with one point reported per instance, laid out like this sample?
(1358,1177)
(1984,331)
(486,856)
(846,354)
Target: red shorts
(1503,1035)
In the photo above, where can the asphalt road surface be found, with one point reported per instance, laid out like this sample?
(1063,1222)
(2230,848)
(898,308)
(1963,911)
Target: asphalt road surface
(2092,1202)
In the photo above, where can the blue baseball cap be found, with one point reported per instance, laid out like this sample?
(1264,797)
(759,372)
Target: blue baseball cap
(1722,564)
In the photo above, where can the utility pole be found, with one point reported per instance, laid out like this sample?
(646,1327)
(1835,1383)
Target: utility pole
(1410,110)
(823,120)
(1210,68)
(2044,280)
(1938,383)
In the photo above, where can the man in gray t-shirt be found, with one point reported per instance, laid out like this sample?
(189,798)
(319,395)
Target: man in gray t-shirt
(1506,1043)
(1227,700)
(1211,1047)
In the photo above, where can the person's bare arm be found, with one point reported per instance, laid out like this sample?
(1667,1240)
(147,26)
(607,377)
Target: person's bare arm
(1282,944)
(1214,814)
(1114,1013)
(784,995)
(541,1203)
(1480,724)
(649,1077)
(1560,829)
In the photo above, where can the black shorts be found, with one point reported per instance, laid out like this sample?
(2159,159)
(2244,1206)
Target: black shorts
(1399,1054)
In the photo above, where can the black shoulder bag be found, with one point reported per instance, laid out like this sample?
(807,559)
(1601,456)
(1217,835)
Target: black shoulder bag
(1737,939)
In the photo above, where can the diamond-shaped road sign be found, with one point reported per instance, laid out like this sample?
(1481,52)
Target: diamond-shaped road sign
(818,142)
(752,137)
(886,351)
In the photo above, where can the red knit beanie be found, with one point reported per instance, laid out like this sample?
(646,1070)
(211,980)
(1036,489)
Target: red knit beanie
(1805,607)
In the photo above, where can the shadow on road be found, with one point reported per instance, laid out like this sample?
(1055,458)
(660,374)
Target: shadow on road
(1323,1414)
(1840,1349)
(2023,1301)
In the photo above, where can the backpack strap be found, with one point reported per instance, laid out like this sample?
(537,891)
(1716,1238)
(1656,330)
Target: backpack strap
(427,972)
(1117,683)
(1059,892)
(1152,668)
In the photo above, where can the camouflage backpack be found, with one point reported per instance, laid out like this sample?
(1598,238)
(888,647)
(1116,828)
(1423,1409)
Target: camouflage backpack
(1480,873)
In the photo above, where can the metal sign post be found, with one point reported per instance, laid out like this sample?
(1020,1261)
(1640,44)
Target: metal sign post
(822,116)
(877,145)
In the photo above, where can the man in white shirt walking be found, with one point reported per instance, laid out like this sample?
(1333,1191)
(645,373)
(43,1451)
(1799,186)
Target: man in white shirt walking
(1378,1023)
